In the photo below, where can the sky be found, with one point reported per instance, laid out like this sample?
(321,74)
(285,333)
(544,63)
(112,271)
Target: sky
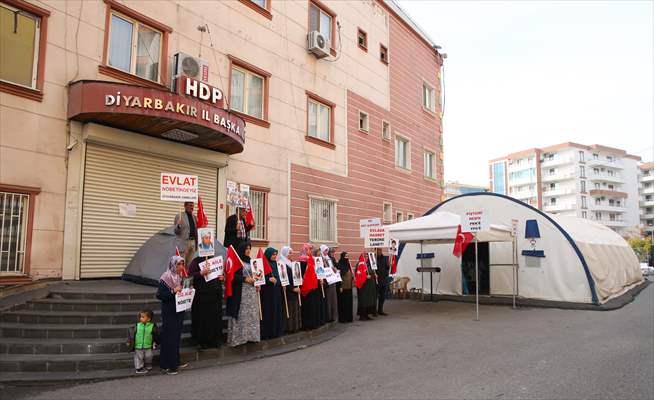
(524,74)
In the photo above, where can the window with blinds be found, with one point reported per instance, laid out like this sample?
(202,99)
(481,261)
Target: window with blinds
(13,226)
(322,220)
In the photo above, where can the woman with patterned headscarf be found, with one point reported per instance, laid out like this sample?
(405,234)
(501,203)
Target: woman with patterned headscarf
(170,284)
(292,323)
(271,300)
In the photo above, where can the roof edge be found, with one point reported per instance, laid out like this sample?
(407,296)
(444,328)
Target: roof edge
(394,6)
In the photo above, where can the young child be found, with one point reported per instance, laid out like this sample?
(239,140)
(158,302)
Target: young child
(143,338)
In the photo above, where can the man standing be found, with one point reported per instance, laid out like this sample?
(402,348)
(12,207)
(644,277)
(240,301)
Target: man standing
(186,229)
(383,269)
(236,230)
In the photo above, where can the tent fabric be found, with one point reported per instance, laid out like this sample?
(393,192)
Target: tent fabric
(584,262)
(441,227)
(151,260)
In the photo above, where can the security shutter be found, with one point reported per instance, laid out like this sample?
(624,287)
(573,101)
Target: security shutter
(114,176)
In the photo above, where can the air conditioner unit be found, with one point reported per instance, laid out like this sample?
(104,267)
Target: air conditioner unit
(317,44)
(192,67)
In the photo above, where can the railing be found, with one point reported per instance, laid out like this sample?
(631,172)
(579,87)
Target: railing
(558,176)
(550,162)
(604,162)
(558,192)
(559,207)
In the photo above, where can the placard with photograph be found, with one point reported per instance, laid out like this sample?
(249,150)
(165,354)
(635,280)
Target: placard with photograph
(215,266)
(205,242)
(283,275)
(244,196)
(331,276)
(320,267)
(372,259)
(232,193)
(257,272)
(393,246)
(297,274)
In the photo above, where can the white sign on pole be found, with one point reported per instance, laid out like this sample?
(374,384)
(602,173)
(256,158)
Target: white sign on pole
(297,274)
(366,223)
(283,273)
(474,221)
(215,266)
(514,227)
(179,187)
(377,236)
(184,299)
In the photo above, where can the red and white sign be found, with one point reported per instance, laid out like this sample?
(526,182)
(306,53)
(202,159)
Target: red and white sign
(200,90)
(474,221)
(377,236)
(179,187)
(366,223)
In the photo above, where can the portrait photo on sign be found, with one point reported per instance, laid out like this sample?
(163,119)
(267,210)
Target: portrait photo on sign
(244,196)
(297,273)
(330,264)
(320,267)
(232,193)
(373,261)
(205,242)
(257,272)
(393,247)
(283,275)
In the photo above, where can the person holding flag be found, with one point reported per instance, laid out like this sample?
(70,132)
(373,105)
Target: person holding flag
(310,291)
(271,296)
(242,298)
(238,227)
(365,284)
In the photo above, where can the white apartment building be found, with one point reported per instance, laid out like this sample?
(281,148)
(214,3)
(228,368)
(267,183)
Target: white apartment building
(646,200)
(595,182)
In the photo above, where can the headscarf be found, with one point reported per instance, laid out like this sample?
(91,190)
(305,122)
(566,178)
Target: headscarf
(170,277)
(343,264)
(324,251)
(270,251)
(306,252)
(283,255)
(240,250)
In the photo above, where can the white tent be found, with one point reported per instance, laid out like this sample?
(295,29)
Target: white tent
(582,262)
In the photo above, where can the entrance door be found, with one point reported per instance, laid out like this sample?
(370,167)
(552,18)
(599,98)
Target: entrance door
(468,269)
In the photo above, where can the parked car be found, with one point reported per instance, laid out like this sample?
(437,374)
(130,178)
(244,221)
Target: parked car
(646,269)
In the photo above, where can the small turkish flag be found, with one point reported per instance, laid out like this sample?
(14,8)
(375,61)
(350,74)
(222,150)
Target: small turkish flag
(267,269)
(461,242)
(362,272)
(249,217)
(202,217)
(232,265)
(393,264)
(310,281)
(177,251)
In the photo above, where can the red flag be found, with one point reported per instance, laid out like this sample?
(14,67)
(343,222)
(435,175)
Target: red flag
(232,265)
(393,264)
(249,218)
(267,269)
(310,281)
(461,242)
(362,272)
(177,252)
(203,221)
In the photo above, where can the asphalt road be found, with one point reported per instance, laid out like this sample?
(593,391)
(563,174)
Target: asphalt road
(436,350)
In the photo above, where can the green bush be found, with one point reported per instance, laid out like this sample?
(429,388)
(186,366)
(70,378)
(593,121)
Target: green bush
(641,247)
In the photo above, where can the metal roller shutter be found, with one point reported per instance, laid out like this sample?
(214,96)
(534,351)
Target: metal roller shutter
(114,176)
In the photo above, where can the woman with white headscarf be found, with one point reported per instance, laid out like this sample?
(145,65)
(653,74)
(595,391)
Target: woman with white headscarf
(330,290)
(170,284)
(292,323)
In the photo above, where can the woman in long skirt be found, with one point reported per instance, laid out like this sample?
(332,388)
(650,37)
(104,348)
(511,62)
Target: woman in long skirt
(312,301)
(345,289)
(292,323)
(366,297)
(207,311)
(243,304)
(271,300)
(172,321)
(330,290)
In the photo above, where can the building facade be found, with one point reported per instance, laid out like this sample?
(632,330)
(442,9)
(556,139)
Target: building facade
(453,189)
(99,98)
(646,199)
(594,182)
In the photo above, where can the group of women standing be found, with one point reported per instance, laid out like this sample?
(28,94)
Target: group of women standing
(253,313)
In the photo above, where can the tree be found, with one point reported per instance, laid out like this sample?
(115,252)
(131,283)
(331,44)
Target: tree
(641,246)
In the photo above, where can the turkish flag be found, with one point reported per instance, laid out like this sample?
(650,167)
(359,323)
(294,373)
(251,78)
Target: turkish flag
(393,264)
(249,217)
(232,265)
(177,251)
(202,217)
(267,269)
(310,278)
(362,272)
(461,242)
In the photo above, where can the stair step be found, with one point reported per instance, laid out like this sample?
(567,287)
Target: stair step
(49,347)
(64,331)
(50,304)
(147,294)
(74,317)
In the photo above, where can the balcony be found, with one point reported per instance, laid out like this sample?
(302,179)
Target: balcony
(559,177)
(552,162)
(608,193)
(646,203)
(649,190)
(647,216)
(524,194)
(604,177)
(604,206)
(558,192)
(647,178)
(553,208)
(603,162)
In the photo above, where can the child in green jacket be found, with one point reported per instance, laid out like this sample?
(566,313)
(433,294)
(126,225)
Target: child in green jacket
(143,338)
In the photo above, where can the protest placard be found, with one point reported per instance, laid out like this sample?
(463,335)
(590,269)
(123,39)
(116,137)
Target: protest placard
(205,243)
(184,299)
(393,246)
(283,274)
(366,223)
(474,221)
(179,187)
(215,266)
(232,193)
(331,276)
(320,267)
(372,259)
(244,196)
(376,236)
(297,274)
(257,272)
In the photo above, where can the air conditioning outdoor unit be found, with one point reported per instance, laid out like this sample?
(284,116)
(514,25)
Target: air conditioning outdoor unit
(317,44)
(192,67)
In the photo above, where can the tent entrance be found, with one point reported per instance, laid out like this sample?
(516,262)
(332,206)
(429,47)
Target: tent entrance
(468,269)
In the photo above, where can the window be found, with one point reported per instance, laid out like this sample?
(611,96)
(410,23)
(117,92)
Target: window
(260,3)
(552,170)
(386,130)
(362,39)
(387,212)
(584,214)
(598,215)
(322,220)
(597,186)
(552,185)
(583,202)
(383,54)
(610,172)
(320,118)
(402,154)
(322,19)
(399,216)
(582,171)
(409,216)
(134,48)
(553,200)
(611,202)
(260,6)
(429,98)
(248,91)
(617,203)
(610,187)
(609,158)
(598,201)
(22,49)
(429,164)
(581,156)
(595,156)
(583,186)
(16,218)
(363,121)
(612,217)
